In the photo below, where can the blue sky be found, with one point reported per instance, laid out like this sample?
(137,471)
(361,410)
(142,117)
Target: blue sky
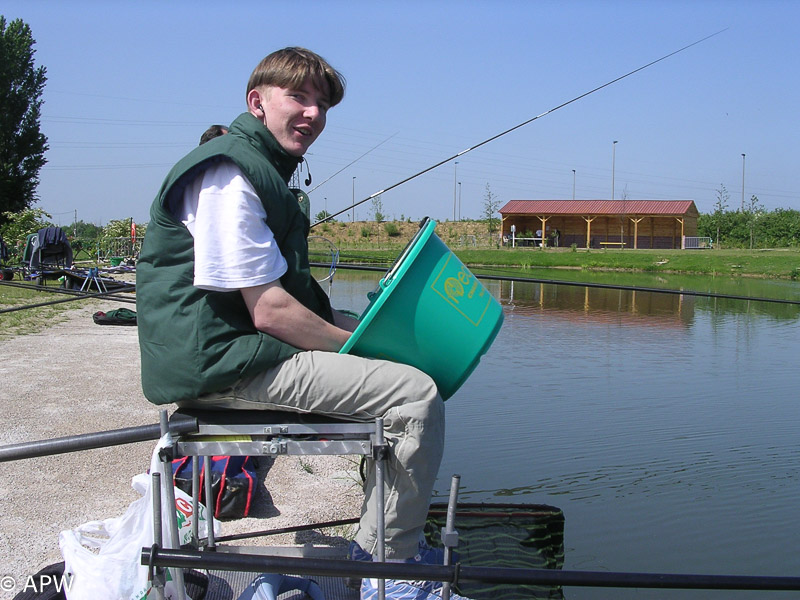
(132,85)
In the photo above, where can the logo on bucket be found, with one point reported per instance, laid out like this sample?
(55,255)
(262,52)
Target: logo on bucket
(462,290)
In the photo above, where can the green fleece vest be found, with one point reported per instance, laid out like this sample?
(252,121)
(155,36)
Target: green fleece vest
(195,341)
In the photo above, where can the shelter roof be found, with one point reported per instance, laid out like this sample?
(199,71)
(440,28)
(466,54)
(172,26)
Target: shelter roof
(599,207)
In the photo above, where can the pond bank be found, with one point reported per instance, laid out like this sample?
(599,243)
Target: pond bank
(369,242)
(782,263)
(76,377)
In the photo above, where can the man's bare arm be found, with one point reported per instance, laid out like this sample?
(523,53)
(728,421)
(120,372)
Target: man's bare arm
(275,312)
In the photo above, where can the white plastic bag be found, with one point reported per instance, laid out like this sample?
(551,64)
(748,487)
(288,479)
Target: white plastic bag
(103,557)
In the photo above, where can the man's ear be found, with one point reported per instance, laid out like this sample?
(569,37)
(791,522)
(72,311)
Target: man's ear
(254,103)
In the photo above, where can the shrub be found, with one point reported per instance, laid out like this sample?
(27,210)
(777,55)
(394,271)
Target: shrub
(391,229)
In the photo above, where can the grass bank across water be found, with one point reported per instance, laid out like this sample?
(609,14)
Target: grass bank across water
(370,243)
(777,263)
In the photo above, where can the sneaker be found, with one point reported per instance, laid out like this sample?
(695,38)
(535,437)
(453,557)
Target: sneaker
(426,555)
(403,590)
(356,552)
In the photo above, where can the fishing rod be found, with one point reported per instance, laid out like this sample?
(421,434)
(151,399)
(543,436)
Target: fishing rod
(76,295)
(353,162)
(257,563)
(634,288)
(515,127)
(608,286)
(93,441)
(123,288)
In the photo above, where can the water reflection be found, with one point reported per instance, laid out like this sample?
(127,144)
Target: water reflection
(598,305)
(656,422)
(752,287)
(786,294)
(664,427)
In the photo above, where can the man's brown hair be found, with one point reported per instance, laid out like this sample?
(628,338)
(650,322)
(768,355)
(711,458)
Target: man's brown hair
(290,67)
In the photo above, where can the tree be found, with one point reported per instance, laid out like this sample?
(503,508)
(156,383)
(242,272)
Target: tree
(490,206)
(720,207)
(754,212)
(22,145)
(81,229)
(322,216)
(623,217)
(780,228)
(118,228)
(377,209)
(18,225)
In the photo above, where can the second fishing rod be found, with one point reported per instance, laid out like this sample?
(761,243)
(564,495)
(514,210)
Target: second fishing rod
(515,127)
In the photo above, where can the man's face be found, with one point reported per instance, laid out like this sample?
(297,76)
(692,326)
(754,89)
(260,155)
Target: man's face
(295,117)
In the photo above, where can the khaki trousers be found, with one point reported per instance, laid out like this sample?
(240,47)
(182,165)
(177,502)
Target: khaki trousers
(362,389)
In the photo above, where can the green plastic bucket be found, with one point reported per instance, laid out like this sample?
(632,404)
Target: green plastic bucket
(431,312)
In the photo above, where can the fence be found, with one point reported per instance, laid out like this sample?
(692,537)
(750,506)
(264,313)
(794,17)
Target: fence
(118,246)
(696,243)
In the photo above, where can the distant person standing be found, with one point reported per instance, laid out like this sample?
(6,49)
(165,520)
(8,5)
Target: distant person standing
(213,132)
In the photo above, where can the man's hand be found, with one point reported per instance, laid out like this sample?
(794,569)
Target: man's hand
(275,312)
(344,321)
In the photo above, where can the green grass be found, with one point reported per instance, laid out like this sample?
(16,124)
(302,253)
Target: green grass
(778,263)
(781,263)
(30,320)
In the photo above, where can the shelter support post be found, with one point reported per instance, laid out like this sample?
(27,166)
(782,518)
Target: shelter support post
(543,239)
(636,231)
(589,231)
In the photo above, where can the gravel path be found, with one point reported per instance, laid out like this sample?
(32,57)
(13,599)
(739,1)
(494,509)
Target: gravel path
(77,377)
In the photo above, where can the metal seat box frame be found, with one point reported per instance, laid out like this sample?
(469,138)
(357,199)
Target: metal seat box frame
(206,433)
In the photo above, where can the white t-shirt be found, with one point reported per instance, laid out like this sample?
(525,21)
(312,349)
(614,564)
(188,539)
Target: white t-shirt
(233,247)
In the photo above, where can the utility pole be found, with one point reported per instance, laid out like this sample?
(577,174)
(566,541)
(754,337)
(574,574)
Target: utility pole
(459,200)
(613,166)
(742,182)
(573,185)
(455,188)
(353,217)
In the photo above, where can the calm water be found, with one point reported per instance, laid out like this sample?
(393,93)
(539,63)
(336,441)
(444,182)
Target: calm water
(666,427)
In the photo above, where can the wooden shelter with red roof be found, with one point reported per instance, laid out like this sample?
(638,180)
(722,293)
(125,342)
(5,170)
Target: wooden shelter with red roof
(600,223)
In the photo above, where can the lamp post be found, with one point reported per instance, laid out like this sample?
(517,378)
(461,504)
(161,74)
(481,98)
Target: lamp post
(573,185)
(353,216)
(742,182)
(455,188)
(459,200)
(613,166)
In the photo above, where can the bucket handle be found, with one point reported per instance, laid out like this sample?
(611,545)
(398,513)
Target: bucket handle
(387,279)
